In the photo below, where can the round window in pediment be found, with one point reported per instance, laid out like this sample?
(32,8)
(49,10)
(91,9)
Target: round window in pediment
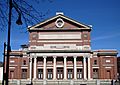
(59,22)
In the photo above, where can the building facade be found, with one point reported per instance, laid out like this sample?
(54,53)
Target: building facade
(60,49)
(118,66)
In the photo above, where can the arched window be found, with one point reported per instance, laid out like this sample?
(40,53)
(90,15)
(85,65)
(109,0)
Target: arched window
(24,62)
(95,62)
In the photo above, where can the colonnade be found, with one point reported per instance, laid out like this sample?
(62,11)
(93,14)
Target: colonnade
(85,69)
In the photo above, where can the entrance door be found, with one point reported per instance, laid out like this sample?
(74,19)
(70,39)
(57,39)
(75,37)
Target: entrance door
(11,74)
(95,73)
(60,73)
(24,73)
(108,74)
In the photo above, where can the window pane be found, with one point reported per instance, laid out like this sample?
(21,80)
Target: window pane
(40,73)
(79,73)
(50,73)
(24,73)
(70,73)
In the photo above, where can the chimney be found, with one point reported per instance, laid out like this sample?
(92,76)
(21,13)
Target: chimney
(59,13)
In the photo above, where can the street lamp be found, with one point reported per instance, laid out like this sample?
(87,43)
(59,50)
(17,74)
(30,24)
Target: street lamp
(4,64)
(8,39)
(19,21)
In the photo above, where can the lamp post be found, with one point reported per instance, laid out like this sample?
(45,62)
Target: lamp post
(8,41)
(4,64)
(8,38)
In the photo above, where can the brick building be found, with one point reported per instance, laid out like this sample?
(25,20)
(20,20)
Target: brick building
(60,49)
(118,66)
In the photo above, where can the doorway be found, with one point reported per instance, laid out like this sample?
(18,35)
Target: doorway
(59,73)
(108,74)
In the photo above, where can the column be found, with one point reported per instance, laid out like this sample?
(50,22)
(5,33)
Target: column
(88,67)
(35,59)
(44,69)
(75,67)
(30,68)
(54,68)
(84,64)
(65,67)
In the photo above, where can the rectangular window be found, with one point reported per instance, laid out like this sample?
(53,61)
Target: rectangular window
(60,73)
(12,61)
(40,73)
(24,73)
(107,61)
(50,74)
(79,73)
(70,73)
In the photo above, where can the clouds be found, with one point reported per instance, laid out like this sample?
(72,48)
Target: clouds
(106,37)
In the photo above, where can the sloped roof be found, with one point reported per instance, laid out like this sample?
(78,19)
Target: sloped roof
(63,17)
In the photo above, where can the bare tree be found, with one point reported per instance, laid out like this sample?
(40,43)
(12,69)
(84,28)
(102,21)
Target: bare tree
(21,9)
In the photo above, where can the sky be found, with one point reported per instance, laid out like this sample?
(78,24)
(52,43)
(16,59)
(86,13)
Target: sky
(103,15)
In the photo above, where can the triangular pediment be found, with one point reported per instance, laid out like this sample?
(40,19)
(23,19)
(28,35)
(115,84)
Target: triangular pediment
(50,24)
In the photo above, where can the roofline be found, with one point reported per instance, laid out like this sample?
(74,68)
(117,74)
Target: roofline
(54,17)
(105,50)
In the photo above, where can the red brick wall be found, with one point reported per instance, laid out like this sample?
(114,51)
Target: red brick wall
(107,66)
(16,66)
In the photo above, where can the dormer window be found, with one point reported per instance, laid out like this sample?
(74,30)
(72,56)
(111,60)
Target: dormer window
(59,23)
